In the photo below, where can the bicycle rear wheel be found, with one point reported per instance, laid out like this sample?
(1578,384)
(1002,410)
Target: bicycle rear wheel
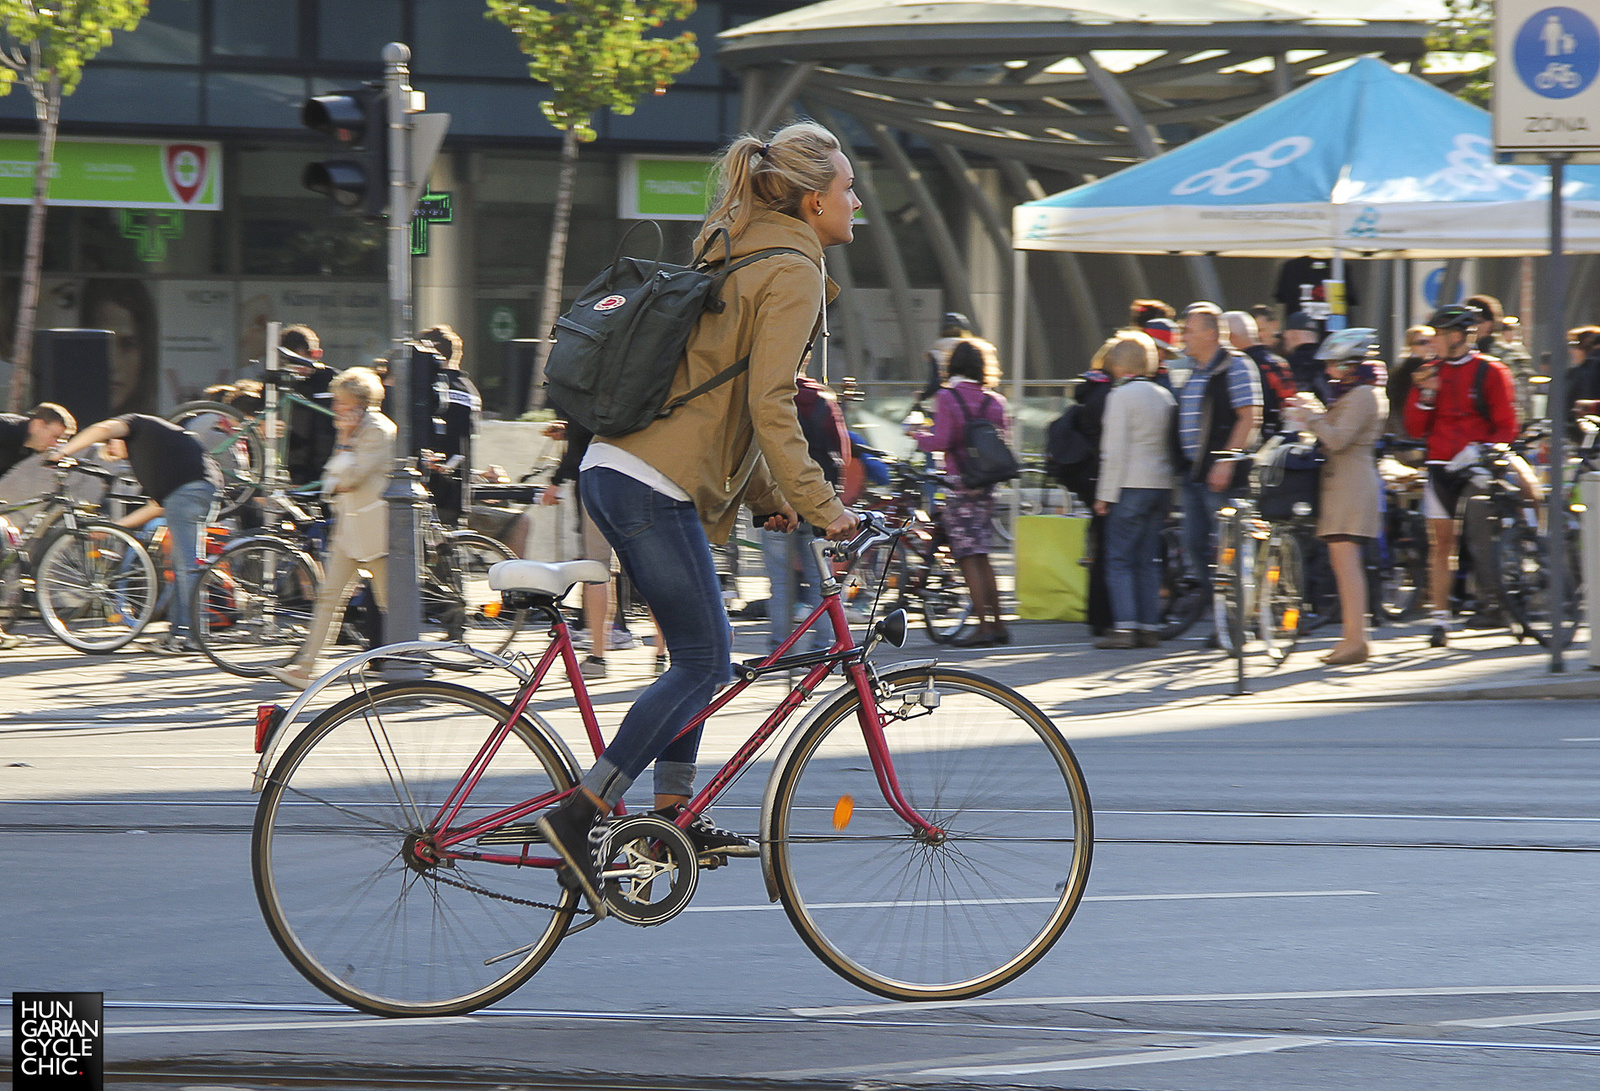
(341,860)
(1281,595)
(1232,583)
(1182,596)
(233,443)
(253,606)
(944,599)
(96,587)
(904,915)
(1523,582)
(457,601)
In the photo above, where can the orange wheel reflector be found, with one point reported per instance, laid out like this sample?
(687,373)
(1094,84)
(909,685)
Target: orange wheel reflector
(115,619)
(1227,555)
(491,609)
(1291,618)
(843,811)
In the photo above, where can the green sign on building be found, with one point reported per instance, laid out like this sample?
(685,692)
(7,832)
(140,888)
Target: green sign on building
(664,187)
(94,173)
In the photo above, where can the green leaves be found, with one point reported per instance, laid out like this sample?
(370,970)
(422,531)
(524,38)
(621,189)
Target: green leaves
(49,41)
(595,55)
(1466,33)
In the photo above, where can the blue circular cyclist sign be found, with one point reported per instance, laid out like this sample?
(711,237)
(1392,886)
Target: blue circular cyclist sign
(1557,52)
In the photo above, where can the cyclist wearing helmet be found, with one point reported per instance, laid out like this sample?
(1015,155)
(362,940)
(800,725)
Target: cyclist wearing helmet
(1458,401)
(1348,512)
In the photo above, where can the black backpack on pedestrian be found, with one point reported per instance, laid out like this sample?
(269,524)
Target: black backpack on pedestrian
(986,457)
(618,348)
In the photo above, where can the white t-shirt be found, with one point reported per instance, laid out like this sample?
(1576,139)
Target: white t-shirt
(601,453)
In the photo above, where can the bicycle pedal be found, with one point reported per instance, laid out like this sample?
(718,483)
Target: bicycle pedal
(518,833)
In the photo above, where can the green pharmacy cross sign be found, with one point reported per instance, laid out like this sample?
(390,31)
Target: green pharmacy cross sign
(433,208)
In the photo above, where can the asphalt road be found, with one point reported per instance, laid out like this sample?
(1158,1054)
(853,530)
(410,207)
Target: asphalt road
(1284,895)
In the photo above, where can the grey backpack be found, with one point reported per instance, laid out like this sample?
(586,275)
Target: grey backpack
(618,348)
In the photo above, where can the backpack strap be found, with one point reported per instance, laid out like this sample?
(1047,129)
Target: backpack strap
(733,370)
(714,302)
(1480,400)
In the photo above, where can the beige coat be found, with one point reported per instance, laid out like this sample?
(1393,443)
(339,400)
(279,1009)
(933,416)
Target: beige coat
(1348,429)
(742,441)
(361,517)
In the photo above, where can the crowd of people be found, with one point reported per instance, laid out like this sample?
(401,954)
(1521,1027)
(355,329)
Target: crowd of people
(1176,408)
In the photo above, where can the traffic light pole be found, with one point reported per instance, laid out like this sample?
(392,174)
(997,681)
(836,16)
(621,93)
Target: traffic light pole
(404,494)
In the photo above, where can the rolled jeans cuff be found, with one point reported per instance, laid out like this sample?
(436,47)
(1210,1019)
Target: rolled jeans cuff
(674,778)
(606,781)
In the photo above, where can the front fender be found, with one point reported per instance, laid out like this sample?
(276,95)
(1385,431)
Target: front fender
(915,667)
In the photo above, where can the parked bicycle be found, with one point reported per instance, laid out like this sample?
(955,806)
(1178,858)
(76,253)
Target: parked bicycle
(922,574)
(94,584)
(254,600)
(398,867)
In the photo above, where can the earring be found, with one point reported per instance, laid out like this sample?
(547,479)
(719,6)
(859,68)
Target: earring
(817,210)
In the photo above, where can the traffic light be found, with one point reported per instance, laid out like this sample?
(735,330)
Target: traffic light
(359,120)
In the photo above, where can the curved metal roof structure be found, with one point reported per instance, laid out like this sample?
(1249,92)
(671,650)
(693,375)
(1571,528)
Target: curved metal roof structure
(1073,88)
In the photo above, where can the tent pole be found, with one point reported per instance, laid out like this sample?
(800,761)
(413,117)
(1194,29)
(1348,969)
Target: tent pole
(1019,340)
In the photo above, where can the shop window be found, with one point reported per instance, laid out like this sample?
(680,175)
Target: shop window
(255,28)
(452,38)
(291,237)
(168,34)
(490,109)
(263,102)
(357,30)
(132,96)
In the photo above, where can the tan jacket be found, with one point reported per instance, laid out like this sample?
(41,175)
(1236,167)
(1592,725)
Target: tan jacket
(742,441)
(361,518)
(1348,430)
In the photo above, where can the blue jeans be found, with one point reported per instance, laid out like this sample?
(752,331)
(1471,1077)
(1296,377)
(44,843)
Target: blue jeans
(1133,557)
(782,554)
(187,509)
(663,549)
(1200,507)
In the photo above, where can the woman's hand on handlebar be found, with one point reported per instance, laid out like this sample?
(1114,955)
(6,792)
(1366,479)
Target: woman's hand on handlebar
(843,527)
(782,521)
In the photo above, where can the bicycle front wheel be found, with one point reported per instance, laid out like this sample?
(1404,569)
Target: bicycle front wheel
(914,917)
(457,601)
(253,606)
(96,587)
(1281,595)
(345,870)
(232,442)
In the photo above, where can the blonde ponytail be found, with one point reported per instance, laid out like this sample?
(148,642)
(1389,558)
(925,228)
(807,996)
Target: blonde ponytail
(756,175)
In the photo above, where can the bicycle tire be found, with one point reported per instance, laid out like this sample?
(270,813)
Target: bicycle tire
(253,605)
(900,915)
(342,893)
(1235,576)
(233,444)
(1281,596)
(457,601)
(96,587)
(1522,583)
(1182,596)
(1401,586)
(943,598)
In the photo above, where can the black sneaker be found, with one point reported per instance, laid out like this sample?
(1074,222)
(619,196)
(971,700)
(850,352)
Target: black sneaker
(710,839)
(1438,637)
(576,832)
(172,645)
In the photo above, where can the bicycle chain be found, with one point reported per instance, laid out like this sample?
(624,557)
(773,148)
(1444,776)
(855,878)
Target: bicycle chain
(470,888)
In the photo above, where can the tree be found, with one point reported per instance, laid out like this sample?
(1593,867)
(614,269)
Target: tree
(46,44)
(1467,30)
(595,56)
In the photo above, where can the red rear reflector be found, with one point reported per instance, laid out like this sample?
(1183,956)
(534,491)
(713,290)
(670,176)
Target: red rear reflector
(268,717)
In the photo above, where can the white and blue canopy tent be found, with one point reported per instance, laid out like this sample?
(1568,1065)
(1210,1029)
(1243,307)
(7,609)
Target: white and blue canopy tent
(1365,161)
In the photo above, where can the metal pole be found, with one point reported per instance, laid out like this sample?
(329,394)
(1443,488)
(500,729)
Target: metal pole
(402,619)
(1555,539)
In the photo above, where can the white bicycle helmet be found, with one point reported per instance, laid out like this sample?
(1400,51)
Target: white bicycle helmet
(1356,343)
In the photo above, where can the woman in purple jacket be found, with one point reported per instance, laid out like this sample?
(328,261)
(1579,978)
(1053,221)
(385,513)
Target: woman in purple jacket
(968,513)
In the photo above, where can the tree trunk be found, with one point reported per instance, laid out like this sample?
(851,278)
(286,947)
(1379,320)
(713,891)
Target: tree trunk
(48,110)
(555,263)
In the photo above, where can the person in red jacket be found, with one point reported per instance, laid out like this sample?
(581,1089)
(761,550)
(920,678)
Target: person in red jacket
(1458,400)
